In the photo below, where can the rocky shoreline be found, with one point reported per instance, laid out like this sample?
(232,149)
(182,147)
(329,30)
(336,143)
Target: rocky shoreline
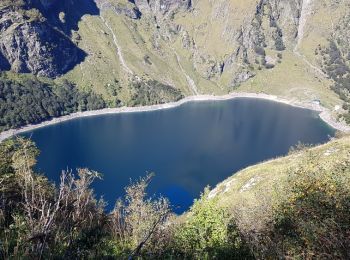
(325,114)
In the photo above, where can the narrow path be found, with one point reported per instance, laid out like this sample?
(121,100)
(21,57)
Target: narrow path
(119,49)
(306,11)
(190,81)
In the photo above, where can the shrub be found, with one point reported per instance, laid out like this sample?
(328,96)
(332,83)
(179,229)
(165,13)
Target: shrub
(153,92)
(208,233)
(44,221)
(278,37)
(313,218)
(137,223)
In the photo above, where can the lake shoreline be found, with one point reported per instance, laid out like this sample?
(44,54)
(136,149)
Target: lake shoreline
(324,113)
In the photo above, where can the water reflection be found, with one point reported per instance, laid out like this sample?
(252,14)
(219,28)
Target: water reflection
(189,147)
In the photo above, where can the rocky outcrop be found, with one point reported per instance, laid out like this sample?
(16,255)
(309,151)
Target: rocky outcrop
(270,24)
(221,43)
(133,12)
(162,7)
(136,8)
(128,9)
(241,77)
(30,44)
(274,25)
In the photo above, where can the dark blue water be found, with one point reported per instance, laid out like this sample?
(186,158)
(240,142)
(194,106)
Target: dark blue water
(188,147)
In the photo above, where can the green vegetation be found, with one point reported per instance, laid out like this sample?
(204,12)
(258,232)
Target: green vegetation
(296,206)
(336,63)
(28,100)
(38,220)
(208,232)
(312,216)
(292,207)
(153,92)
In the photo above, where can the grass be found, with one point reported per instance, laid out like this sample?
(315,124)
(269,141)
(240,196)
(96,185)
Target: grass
(294,80)
(320,26)
(101,66)
(213,26)
(250,187)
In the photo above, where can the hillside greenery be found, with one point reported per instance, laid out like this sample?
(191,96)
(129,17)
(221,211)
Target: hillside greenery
(298,208)
(29,100)
(336,63)
(153,92)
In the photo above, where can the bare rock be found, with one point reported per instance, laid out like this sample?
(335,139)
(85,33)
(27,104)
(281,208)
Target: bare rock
(29,44)
(162,7)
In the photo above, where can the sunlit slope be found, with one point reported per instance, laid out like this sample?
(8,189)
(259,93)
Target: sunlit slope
(215,47)
(257,188)
(114,62)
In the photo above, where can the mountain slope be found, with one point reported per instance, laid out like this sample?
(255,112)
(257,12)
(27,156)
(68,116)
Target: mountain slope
(117,48)
(30,43)
(261,180)
(293,206)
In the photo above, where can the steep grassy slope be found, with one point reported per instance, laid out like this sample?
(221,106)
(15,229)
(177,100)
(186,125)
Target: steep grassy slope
(213,47)
(119,57)
(253,191)
(292,207)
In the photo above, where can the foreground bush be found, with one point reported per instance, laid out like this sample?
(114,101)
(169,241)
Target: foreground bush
(313,218)
(137,223)
(39,220)
(209,233)
(307,218)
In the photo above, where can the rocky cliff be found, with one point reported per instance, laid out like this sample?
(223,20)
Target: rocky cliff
(195,47)
(30,44)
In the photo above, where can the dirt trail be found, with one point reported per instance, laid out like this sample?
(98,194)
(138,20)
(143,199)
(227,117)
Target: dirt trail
(119,49)
(190,81)
(306,11)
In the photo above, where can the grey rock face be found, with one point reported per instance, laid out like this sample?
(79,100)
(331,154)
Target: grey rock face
(271,24)
(34,46)
(162,7)
(143,6)
(132,13)
(241,77)
(129,10)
